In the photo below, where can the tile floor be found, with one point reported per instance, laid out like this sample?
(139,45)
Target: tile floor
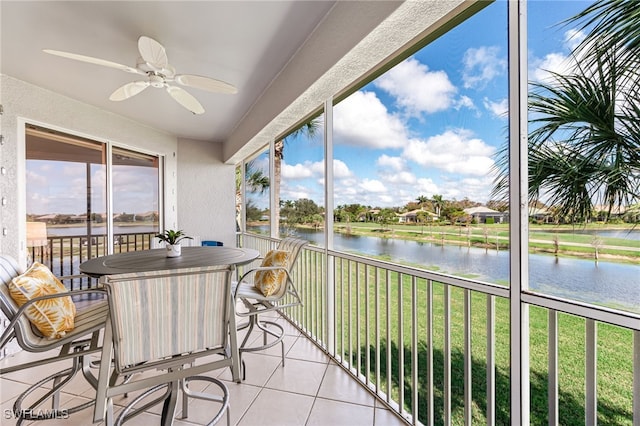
(310,390)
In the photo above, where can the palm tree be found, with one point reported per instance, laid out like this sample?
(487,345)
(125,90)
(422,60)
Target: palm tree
(255,181)
(584,148)
(613,26)
(422,200)
(437,203)
(309,130)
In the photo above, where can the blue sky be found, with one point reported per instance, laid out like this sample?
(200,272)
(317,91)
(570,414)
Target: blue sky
(432,124)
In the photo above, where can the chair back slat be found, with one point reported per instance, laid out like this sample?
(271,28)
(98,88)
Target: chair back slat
(28,336)
(9,269)
(293,246)
(160,314)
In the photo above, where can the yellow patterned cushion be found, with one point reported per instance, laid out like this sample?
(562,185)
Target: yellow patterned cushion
(53,317)
(269,282)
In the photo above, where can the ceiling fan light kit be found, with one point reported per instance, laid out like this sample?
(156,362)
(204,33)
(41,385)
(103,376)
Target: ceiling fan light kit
(154,64)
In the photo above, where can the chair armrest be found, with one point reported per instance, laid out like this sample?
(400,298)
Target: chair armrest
(6,335)
(261,268)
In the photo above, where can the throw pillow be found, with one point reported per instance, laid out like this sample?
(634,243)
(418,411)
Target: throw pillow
(52,317)
(269,282)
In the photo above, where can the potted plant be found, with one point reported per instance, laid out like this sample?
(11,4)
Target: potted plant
(172,239)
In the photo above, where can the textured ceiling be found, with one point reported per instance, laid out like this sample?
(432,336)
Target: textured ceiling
(244,43)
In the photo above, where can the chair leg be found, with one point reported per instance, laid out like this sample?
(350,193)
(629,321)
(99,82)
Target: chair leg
(59,379)
(254,321)
(185,400)
(128,412)
(223,400)
(169,406)
(279,337)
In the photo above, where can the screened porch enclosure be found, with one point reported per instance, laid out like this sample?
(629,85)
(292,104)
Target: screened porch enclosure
(435,348)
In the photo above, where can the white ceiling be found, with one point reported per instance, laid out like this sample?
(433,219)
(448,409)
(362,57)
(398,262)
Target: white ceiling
(245,43)
(286,57)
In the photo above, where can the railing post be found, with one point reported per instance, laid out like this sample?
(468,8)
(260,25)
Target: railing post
(328,200)
(591,372)
(636,377)
(491,360)
(518,213)
(553,367)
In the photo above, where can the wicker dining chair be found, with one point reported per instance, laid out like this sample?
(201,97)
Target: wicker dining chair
(281,293)
(164,323)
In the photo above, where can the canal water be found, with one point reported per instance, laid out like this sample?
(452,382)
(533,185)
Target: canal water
(605,283)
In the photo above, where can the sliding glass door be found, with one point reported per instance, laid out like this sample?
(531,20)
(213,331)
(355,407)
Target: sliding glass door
(86,198)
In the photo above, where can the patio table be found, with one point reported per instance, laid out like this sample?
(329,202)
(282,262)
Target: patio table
(156,260)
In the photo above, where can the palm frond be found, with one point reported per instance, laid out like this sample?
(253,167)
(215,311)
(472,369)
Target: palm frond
(611,25)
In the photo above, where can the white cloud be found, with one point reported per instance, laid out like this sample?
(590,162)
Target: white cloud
(417,89)
(465,102)
(454,151)
(473,188)
(427,186)
(573,37)
(401,177)
(341,170)
(294,192)
(362,120)
(372,185)
(35,179)
(393,163)
(297,171)
(499,108)
(394,170)
(481,65)
(555,62)
(310,169)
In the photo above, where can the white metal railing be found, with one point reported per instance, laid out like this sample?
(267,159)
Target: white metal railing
(427,344)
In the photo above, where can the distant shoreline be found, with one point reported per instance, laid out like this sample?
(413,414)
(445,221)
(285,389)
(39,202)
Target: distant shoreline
(571,244)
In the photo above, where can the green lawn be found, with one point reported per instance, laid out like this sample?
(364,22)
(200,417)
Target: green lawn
(615,348)
(542,238)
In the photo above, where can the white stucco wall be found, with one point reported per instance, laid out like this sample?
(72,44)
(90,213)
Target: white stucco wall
(23,102)
(206,200)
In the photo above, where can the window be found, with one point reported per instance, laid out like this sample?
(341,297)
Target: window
(414,155)
(257,190)
(582,152)
(299,181)
(69,218)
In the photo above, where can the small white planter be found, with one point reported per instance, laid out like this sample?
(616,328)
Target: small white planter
(174,250)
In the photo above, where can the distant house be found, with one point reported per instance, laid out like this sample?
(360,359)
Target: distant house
(368,216)
(616,211)
(540,215)
(480,214)
(48,218)
(77,218)
(412,216)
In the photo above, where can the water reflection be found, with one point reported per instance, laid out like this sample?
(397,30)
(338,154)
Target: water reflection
(611,284)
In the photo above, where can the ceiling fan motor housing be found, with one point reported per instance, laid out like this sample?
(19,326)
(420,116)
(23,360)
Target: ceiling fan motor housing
(156,80)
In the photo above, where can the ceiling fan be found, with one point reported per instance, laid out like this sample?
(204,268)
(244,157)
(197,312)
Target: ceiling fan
(154,64)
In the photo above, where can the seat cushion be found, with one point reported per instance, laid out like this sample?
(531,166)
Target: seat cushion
(52,317)
(269,282)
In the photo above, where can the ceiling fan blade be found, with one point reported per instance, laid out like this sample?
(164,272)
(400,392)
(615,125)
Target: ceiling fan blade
(205,83)
(185,99)
(153,52)
(92,60)
(129,90)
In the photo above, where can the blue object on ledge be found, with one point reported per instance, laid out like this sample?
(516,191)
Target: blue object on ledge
(211,243)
